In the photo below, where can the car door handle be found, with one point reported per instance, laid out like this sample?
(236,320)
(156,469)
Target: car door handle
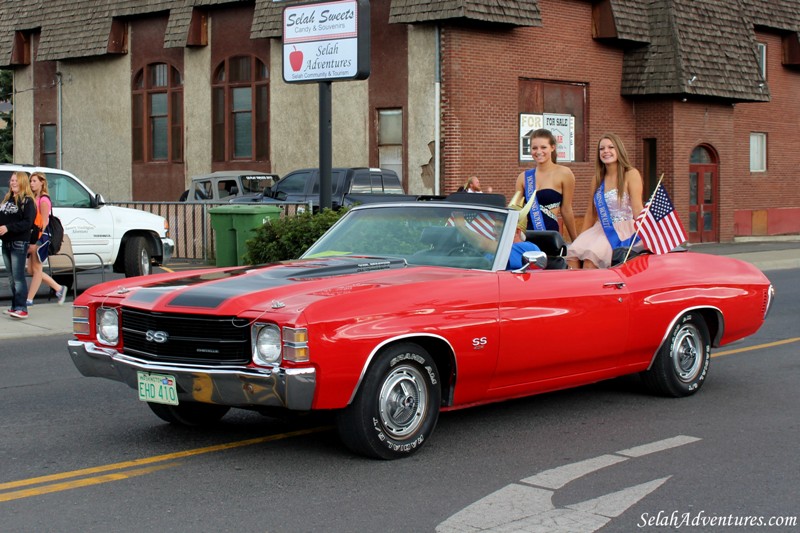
(614,285)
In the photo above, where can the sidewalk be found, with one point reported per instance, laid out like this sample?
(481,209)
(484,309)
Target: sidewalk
(49,318)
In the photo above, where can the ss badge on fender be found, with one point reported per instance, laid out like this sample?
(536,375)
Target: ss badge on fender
(479,343)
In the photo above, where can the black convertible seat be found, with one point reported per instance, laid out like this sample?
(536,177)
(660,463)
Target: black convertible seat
(550,242)
(493,199)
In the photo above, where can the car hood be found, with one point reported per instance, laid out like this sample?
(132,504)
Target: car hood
(287,287)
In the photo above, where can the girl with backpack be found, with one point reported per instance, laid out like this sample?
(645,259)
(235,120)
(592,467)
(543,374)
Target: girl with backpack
(17,212)
(40,246)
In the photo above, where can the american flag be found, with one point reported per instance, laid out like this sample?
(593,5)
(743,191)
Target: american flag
(659,227)
(480,223)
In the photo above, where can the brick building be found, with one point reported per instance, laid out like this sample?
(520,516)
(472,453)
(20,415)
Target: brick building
(137,96)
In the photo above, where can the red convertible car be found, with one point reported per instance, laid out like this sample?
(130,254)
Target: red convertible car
(394,315)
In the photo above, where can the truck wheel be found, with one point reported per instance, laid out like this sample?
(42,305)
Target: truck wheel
(137,257)
(189,414)
(681,365)
(396,409)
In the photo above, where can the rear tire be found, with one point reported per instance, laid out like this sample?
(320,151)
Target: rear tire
(396,409)
(681,365)
(190,413)
(137,257)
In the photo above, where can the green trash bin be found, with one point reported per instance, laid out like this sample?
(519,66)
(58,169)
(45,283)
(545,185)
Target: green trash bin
(233,226)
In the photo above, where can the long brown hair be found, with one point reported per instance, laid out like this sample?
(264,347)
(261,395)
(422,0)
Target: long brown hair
(623,164)
(543,133)
(43,179)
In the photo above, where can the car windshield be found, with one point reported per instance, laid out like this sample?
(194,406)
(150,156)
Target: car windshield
(456,236)
(255,184)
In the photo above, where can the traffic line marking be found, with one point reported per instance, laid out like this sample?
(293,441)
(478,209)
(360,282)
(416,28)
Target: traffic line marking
(85,482)
(138,465)
(756,347)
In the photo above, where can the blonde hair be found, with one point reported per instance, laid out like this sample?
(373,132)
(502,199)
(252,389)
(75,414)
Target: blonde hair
(468,183)
(24,188)
(623,164)
(43,178)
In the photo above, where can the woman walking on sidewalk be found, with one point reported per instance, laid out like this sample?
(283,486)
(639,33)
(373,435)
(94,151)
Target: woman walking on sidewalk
(17,213)
(40,249)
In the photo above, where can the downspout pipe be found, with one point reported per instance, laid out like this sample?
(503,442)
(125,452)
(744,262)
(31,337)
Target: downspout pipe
(438,115)
(59,148)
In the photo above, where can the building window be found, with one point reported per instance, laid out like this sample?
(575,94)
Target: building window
(761,57)
(390,140)
(758,152)
(158,114)
(559,107)
(49,146)
(240,110)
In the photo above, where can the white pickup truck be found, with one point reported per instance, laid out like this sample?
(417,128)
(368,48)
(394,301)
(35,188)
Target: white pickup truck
(130,240)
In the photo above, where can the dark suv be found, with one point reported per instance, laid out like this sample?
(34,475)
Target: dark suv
(348,186)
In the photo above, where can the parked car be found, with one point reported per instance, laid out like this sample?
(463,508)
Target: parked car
(130,240)
(223,185)
(392,316)
(349,186)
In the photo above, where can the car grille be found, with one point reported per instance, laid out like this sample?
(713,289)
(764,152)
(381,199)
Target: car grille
(185,338)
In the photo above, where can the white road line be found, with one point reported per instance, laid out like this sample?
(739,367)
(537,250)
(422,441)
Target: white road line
(527,506)
(658,446)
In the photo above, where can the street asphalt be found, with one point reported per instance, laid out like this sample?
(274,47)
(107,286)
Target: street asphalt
(49,318)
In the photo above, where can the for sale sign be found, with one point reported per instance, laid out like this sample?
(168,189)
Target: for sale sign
(326,41)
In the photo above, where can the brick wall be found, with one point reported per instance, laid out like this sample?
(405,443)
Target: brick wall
(482,66)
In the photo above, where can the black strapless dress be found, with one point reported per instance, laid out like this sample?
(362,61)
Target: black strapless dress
(549,200)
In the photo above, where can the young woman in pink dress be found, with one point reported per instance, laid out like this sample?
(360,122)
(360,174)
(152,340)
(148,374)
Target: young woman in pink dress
(615,203)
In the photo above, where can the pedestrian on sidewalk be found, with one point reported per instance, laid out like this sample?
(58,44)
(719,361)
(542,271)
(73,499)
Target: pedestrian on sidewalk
(17,213)
(39,250)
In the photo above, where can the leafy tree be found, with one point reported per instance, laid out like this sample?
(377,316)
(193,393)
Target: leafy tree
(6,134)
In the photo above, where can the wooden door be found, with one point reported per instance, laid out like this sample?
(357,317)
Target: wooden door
(703,201)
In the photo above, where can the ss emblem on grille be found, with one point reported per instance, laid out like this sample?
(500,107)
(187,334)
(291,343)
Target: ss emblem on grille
(156,336)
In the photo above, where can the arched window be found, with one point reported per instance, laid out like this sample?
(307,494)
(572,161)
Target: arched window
(701,156)
(240,110)
(158,114)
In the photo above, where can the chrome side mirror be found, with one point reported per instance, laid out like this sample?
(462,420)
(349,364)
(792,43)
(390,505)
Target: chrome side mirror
(536,260)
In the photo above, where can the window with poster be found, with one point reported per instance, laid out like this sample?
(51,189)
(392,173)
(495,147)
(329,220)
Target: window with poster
(559,107)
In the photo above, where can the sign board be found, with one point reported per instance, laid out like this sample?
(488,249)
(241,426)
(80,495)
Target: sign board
(562,128)
(326,41)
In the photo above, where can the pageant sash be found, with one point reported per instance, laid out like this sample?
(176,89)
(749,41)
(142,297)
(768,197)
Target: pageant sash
(530,192)
(605,220)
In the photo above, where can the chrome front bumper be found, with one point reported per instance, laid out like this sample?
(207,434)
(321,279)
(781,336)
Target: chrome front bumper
(167,249)
(235,386)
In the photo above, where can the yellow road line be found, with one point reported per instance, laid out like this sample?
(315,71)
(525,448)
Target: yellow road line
(757,347)
(78,483)
(156,459)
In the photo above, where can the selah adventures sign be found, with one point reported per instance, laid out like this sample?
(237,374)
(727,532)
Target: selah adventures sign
(326,41)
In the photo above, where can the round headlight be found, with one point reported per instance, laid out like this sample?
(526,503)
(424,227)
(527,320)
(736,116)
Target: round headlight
(107,326)
(268,345)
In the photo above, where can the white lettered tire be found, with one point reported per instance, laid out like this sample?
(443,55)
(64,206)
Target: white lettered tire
(681,365)
(397,406)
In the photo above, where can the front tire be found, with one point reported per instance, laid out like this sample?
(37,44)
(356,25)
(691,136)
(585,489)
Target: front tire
(137,257)
(189,414)
(681,365)
(396,409)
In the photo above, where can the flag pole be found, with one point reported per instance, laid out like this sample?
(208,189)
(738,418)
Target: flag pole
(640,218)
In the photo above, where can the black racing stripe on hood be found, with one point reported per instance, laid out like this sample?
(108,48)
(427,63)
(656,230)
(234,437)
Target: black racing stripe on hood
(214,294)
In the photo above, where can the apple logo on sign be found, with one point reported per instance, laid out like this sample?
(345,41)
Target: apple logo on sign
(296,59)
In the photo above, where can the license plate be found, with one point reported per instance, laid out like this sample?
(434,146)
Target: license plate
(157,388)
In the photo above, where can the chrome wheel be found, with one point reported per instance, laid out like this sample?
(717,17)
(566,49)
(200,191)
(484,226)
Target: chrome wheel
(402,401)
(681,363)
(686,353)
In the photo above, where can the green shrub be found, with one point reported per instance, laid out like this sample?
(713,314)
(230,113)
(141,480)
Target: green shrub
(288,237)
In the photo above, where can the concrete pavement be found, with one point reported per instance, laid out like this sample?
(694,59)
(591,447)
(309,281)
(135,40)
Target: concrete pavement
(49,318)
